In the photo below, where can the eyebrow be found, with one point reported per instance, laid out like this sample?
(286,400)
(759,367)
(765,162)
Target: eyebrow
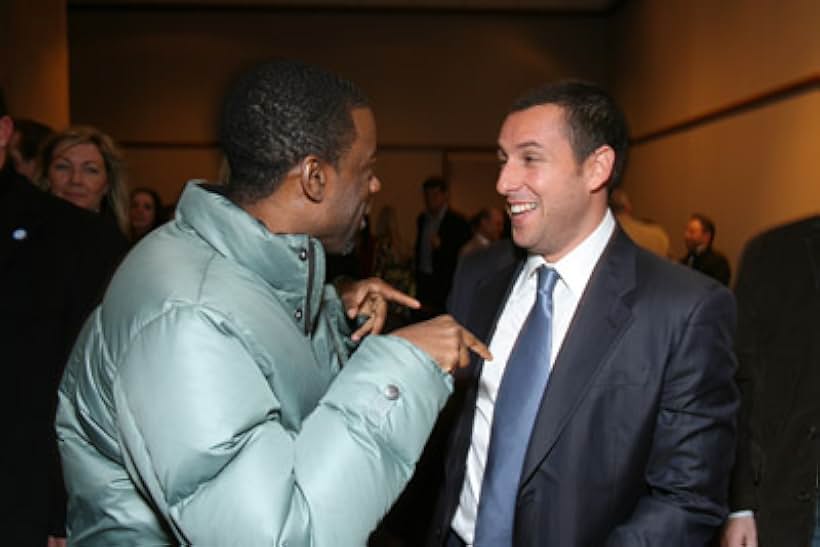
(522,145)
(529,144)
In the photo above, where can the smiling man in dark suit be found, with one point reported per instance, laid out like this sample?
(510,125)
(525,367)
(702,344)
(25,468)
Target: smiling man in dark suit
(607,416)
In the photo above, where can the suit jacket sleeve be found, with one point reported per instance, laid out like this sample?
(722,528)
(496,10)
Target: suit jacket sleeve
(693,443)
(745,475)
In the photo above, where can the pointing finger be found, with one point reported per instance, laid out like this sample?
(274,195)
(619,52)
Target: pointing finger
(475,345)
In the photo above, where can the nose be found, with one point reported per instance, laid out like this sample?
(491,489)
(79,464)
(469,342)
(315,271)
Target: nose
(506,181)
(76,176)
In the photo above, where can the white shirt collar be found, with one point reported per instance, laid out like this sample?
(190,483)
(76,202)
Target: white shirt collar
(575,268)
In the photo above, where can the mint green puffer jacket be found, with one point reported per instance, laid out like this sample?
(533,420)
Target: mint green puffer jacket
(213,399)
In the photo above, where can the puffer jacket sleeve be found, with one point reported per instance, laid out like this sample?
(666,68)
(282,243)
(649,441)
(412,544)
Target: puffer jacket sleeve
(201,436)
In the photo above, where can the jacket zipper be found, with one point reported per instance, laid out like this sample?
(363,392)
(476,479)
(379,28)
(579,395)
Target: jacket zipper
(309,288)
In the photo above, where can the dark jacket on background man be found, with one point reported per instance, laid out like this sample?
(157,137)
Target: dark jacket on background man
(711,263)
(55,260)
(778,348)
(453,231)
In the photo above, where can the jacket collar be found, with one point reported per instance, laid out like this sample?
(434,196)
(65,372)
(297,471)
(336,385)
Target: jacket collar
(292,264)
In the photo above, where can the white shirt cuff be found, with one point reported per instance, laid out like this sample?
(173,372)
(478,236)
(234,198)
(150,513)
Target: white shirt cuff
(740,514)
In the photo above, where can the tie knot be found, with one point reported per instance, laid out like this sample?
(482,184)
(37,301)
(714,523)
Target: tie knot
(547,278)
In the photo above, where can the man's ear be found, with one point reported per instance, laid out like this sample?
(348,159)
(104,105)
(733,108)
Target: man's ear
(598,168)
(6,130)
(313,178)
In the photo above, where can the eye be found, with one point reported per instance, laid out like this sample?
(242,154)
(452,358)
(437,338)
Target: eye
(61,166)
(92,169)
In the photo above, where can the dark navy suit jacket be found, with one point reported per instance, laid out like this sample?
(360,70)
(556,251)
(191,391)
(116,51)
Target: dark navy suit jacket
(778,348)
(636,432)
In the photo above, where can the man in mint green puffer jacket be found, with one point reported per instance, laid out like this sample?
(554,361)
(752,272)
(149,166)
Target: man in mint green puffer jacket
(217,396)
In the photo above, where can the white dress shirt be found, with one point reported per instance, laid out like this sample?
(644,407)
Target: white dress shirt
(574,269)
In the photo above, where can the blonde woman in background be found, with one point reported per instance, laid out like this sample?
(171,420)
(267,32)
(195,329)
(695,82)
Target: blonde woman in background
(84,166)
(393,262)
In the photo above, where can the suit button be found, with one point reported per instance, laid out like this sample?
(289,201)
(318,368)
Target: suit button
(803,496)
(303,255)
(298,314)
(391,392)
(812,433)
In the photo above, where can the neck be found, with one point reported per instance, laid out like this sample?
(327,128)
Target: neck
(282,213)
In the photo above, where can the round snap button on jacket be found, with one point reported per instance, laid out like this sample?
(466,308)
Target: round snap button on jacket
(391,392)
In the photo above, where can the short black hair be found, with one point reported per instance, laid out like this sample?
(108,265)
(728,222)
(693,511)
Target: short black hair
(437,183)
(593,119)
(276,115)
(3,109)
(707,224)
(33,135)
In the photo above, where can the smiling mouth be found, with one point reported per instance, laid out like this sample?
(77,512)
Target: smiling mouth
(519,208)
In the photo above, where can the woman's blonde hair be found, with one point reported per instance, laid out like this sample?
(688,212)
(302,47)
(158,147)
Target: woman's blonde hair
(117,197)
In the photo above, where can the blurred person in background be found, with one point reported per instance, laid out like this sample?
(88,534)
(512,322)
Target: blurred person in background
(488,226)
(440,233)
(700,255)
(775,486)
(55,261)
(84,166)
(393,261)
(145,214)
(649,235)
(28,138)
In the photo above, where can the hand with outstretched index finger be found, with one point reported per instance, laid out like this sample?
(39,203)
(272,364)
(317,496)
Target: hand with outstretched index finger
(369,297)
(446,341)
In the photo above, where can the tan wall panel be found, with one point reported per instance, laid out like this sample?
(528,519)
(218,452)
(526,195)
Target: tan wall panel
(472,179)
(433,79)
(679,58)
(34,60)
(167,170)
(748,172)
(402,173)
(435,82)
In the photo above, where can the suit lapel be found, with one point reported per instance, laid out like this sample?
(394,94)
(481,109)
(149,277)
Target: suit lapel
(489,298)
(19,214)
(602,315)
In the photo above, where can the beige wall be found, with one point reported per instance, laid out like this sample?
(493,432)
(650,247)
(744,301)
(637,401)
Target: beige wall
(34,59)
(678,59)
(440,83)
(436,81)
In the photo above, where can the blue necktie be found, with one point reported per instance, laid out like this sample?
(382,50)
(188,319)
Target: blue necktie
(516,405)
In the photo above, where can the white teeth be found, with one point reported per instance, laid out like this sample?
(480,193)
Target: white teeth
(521,208)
